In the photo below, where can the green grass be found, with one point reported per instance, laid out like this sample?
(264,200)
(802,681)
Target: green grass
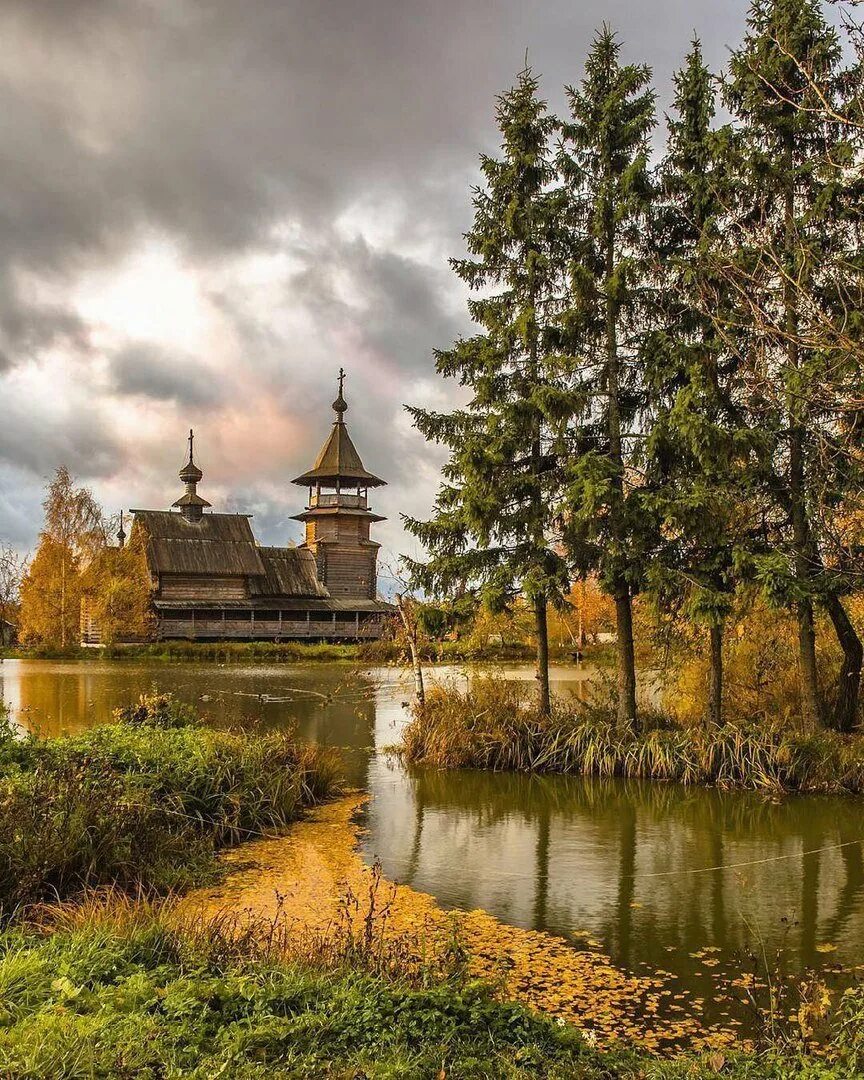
(139,996)
(493,725)
(143,803)
(385,651)
(226,651)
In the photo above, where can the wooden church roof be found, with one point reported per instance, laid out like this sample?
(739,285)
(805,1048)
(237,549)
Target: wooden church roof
(223,545)
(290,572)
(338,461)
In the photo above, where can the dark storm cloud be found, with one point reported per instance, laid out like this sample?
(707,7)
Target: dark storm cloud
(212,122)
(38,441)
(160,374)
(212,119)
(404,302)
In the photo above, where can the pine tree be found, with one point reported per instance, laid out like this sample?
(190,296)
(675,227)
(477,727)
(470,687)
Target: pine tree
(493,529)
(791,258)
(699,449)
(604,160)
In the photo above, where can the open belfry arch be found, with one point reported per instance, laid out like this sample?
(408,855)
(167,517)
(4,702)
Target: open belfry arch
(212,580)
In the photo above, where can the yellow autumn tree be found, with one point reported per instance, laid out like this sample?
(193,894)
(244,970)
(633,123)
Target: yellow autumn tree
(50,597)
(117,592)
(51,591)
(588,612)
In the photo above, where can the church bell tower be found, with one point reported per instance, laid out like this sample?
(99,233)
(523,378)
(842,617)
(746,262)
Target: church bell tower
(337,517)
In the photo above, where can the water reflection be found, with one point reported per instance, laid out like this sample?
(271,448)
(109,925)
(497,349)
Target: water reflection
(626,864)
(329,704)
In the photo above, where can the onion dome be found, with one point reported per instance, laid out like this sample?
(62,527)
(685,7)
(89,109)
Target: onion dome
(190,504)
(190,473)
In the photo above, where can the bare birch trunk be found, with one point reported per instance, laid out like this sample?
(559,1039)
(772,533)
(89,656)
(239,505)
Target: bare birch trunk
(409,623)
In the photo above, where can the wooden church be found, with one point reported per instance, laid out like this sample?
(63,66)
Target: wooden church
(212,580)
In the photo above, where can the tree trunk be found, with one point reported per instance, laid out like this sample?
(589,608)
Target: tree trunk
(810,703)
(580,638)
(626,659)
(541,628)
(845,712)
(623,602)
(714,709)
(542,632)
(63,600)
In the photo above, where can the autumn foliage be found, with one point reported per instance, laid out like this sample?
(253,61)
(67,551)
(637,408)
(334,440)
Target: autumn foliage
(116,588)
(74,565)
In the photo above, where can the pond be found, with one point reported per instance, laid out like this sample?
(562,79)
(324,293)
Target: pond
(695,882)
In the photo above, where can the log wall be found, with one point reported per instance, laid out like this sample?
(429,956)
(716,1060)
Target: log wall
(202,587)
(347,626)
(348,571)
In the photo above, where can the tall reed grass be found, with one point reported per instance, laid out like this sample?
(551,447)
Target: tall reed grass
(493,725)
(143,803)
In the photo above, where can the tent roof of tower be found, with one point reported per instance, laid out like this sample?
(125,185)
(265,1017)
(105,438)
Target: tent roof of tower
(338,461)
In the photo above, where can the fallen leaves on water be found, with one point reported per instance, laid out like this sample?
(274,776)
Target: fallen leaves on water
(303,875)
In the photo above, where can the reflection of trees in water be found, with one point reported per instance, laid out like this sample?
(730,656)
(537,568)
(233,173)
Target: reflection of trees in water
(330,704)
(416,842)
(649,829)
(853,866)
(541,867)
(626,882)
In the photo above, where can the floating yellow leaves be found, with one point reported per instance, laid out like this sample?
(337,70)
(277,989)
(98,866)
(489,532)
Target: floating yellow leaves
(302,876)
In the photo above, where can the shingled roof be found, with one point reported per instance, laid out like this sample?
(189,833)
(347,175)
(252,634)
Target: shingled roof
(338,462)
(220,544)
(224,545)
(290,572)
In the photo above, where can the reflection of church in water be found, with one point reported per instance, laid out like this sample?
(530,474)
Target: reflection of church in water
(212,580)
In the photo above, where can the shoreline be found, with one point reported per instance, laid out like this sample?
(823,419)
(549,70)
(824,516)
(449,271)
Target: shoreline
(299,878)
(370,654)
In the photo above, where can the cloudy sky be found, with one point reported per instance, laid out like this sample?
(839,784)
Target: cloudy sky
(207,206)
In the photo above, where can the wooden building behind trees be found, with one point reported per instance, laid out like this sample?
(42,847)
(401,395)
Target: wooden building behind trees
(209,579)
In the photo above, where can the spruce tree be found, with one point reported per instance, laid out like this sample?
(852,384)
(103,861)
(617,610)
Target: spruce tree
(791,258)
(699,448)
(493,532)
(604,160)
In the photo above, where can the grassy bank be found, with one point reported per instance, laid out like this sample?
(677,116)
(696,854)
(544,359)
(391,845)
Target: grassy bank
(223,652)
(137,995)
(301,652)
(493,725)
(143,803)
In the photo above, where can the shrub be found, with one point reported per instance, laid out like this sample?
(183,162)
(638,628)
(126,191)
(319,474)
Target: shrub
(143,806)
(157,711)
(493,725)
